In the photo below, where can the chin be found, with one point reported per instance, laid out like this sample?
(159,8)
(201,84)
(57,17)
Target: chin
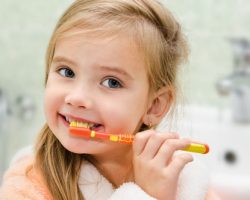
(73,147)
(80,146)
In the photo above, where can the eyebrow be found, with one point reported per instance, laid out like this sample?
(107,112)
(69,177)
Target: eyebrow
(116,70)
(57,59)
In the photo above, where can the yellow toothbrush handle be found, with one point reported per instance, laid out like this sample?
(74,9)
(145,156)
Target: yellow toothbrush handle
(197,148)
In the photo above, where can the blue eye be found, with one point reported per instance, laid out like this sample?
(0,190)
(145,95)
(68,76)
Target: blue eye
(66,72)
(111,83)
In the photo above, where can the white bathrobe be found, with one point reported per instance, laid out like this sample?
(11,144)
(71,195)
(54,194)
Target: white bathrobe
(193,183)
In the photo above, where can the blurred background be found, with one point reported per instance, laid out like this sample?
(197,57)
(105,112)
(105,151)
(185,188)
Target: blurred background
(214,84)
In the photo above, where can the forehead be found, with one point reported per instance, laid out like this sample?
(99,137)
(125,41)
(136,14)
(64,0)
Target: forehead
(127,36)
(118,51)
(80,35)
(115,48)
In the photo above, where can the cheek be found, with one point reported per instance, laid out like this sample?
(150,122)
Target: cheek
(51,103)
(125,114)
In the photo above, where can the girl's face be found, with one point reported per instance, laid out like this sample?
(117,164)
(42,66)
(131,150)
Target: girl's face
(102,81)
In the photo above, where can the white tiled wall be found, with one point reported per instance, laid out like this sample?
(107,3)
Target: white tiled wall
(25,27)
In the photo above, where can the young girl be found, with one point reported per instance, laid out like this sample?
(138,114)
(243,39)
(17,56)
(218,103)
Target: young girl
(111,65)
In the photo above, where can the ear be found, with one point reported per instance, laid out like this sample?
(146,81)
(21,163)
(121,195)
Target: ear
(159,106)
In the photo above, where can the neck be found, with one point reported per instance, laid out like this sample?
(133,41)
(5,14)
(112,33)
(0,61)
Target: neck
(114,168)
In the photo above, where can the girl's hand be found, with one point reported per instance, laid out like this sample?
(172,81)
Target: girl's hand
(156,167)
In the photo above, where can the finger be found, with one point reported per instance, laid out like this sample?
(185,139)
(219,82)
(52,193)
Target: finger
(178,162)
(167,149)
(155,142)
(140,141)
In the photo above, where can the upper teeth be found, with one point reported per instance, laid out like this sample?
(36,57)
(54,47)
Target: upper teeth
(79,123)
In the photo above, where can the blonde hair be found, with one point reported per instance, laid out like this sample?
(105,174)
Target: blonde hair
(158,36)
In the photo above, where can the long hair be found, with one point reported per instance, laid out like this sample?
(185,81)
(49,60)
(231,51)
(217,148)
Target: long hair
(157,35)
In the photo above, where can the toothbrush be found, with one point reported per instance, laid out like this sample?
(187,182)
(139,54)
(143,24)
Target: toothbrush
(82,130)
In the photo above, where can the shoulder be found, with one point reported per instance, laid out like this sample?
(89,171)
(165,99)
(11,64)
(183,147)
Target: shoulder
(22,181)
(21,154)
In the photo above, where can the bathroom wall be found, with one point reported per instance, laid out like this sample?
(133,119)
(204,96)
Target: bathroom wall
(209,25)
(25,27)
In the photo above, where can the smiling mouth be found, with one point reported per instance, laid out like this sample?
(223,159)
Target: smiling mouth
(89,125)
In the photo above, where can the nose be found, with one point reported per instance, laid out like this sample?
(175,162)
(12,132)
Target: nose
(79,97)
